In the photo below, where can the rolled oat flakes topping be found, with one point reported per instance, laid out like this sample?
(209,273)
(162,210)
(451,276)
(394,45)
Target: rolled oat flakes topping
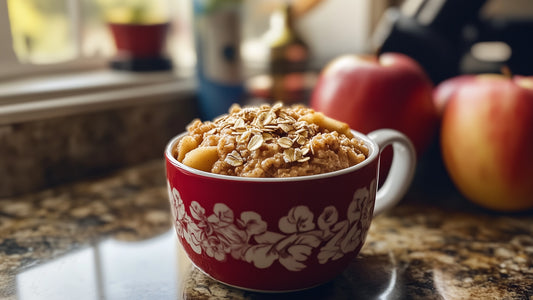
(272,141)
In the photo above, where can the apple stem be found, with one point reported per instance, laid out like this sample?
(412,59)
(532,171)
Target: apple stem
(379,51)
(506,71)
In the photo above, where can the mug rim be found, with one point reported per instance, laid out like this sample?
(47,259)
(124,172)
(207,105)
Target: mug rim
(372,145)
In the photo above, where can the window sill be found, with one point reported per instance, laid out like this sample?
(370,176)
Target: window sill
(30,99)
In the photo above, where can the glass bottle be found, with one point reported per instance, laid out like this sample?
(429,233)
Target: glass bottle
(289,57)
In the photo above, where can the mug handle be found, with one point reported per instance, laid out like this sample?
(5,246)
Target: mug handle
(402,168)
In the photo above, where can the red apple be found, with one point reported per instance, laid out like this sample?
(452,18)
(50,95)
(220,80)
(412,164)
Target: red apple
(371,92)
(487,138)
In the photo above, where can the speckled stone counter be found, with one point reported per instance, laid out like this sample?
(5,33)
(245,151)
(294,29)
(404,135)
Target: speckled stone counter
(111,238)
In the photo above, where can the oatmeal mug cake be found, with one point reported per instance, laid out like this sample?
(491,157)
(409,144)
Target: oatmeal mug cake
(264,225)
(270,141)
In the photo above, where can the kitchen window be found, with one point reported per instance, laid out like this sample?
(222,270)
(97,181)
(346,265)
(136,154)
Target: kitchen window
(73,34)
(55,57)
(57,31)
(49,36)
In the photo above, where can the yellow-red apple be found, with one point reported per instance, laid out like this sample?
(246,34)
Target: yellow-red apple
(371,92)
(487,138)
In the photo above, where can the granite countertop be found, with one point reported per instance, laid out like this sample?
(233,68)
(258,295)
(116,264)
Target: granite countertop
(111,238)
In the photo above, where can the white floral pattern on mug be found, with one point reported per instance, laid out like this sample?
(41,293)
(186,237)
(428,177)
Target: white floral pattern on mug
(246,238)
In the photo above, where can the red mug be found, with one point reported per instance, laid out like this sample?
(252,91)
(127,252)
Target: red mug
(284,234)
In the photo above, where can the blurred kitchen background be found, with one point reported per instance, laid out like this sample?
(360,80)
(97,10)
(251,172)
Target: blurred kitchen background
(447,37)
(57,31)
(87,86)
